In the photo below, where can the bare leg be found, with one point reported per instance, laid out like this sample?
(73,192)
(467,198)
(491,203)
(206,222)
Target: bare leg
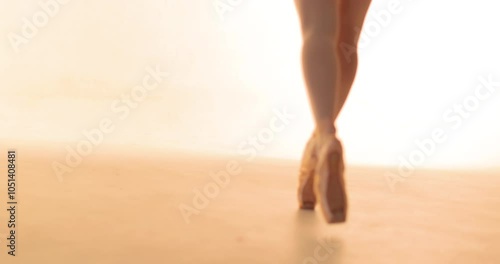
(352,14)
(320,29)
(326,24)
(320,60)
(330,30)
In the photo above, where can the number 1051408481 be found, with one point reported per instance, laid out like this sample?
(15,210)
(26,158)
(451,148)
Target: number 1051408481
(12,202)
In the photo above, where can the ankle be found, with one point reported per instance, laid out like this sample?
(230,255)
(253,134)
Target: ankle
(325,128)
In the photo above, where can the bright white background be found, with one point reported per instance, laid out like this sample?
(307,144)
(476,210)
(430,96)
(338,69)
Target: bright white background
(228,75)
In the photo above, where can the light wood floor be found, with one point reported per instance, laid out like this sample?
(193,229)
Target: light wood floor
(123,207)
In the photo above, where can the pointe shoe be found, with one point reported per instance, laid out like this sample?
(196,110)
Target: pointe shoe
(306,196)
(329,185)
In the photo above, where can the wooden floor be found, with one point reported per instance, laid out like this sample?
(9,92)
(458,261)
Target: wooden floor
(123,207)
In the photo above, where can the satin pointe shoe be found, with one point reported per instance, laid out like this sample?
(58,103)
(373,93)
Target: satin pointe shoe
(306,196)
(329,185)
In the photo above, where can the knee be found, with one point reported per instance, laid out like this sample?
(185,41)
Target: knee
(315,38)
